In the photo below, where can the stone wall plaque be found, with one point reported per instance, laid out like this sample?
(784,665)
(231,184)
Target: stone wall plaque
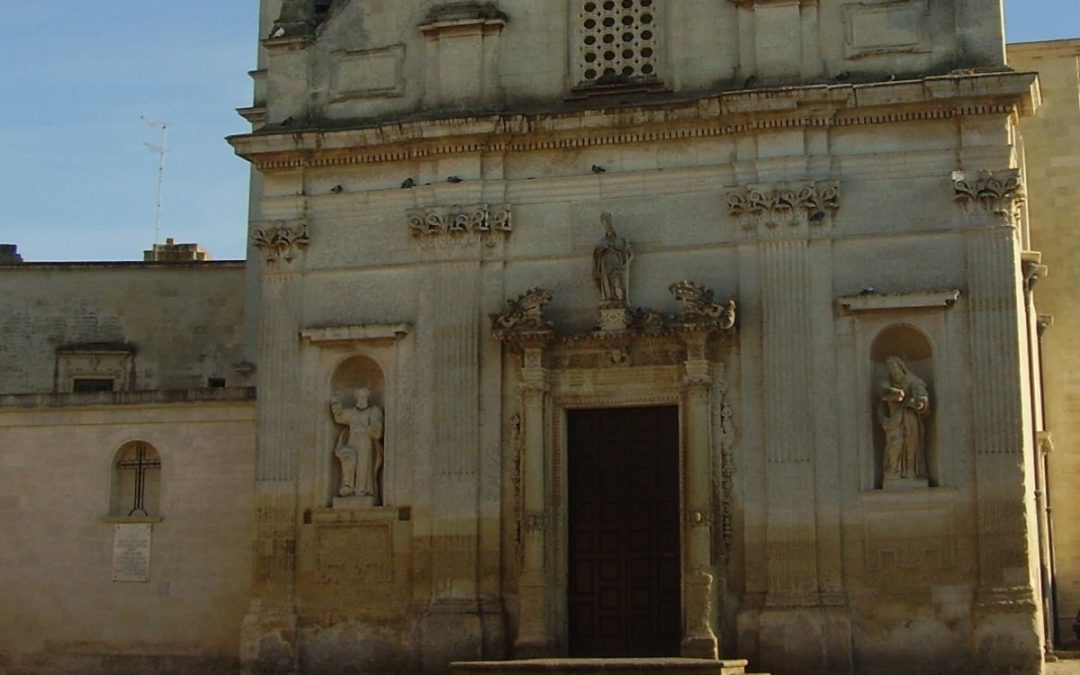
(131,552)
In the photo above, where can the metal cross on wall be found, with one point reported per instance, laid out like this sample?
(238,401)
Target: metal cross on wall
(140,465)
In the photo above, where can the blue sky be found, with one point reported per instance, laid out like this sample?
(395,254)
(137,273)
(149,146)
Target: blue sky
(77,181)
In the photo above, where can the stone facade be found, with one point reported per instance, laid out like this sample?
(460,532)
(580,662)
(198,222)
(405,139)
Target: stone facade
(806,231)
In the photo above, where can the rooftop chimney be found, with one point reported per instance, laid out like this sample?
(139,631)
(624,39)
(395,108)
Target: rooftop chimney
(171,252)
(9,254)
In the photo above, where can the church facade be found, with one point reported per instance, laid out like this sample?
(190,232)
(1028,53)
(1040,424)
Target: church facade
(577,328)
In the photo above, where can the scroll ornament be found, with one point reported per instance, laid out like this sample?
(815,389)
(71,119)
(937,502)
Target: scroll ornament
(698,307)
(280,240)
(524,314)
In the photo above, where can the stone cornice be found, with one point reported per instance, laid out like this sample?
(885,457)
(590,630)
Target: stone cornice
(726,114)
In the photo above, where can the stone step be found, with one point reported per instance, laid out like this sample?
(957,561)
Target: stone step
(643,666)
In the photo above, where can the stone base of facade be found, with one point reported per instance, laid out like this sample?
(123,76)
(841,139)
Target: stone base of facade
(453,629)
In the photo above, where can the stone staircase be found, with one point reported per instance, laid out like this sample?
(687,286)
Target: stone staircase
(655,666)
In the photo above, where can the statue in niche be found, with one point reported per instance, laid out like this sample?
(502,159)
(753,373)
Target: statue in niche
(902,411)
(611,265)
(359,448)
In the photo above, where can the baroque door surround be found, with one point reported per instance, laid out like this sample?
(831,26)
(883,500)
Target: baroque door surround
(658,359)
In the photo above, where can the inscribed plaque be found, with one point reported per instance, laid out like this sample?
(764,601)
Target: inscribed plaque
(131,552)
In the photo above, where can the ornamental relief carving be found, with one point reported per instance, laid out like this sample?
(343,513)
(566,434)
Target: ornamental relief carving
(991,197)
(280,240)
(459,222)
(787,205)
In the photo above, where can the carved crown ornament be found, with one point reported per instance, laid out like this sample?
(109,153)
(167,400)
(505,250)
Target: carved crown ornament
(787,205)
(280,240)
(993,197)
(460,222)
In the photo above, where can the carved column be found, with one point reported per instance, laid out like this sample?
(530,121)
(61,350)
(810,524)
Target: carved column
(1006,604)
(269,635)
(452,626)
(699,634)
(534,630)
(792,556)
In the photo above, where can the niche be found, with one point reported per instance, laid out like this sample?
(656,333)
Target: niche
(355,413)
(136,481)
(902,408)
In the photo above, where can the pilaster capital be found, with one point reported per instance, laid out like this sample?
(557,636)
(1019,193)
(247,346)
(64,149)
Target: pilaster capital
(990,197)
(280,241)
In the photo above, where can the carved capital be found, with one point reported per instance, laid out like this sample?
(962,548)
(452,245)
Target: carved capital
(784,205)
(459,222)
(990,197)
(280,240)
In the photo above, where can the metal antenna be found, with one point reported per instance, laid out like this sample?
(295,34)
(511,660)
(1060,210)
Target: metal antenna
(160,150)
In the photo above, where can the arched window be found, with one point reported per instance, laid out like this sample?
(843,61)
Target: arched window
(136,481)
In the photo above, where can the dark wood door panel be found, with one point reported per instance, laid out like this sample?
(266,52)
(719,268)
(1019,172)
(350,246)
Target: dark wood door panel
(624,537)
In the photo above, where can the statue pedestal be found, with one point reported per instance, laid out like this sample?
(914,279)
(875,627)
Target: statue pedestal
(896,483)
(614,317)
(355,502)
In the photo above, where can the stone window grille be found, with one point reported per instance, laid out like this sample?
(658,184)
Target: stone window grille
(136,481)
(618,42)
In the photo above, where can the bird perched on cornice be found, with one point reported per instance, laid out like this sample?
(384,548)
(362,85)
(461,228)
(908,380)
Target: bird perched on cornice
(337,189)
(750,81)
(453,179)
(408,183)
(596,168)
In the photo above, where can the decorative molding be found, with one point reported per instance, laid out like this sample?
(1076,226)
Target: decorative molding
(990,197)
(882,302)
(784,205)
(463,14)
(280,240)
(726,427)
(481,220)
(358,333)
(729,114)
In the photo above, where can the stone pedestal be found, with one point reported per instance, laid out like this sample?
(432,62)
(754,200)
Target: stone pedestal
(614,317)
(355,502)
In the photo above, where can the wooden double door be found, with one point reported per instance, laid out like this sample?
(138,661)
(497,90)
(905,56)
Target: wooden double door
(624,567)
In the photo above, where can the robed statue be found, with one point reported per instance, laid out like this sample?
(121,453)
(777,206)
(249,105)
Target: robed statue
(611,265)
(902,411)
(359,448)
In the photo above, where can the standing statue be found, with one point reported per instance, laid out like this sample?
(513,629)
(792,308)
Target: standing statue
(902,412)
(611,265)
(359,446)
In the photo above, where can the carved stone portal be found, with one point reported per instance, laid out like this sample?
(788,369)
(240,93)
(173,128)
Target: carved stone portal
(359,450)
(902,410)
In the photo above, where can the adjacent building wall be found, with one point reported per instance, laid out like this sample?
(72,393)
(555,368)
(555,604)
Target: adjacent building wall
(62,612)
(1051,143)
(182,323)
